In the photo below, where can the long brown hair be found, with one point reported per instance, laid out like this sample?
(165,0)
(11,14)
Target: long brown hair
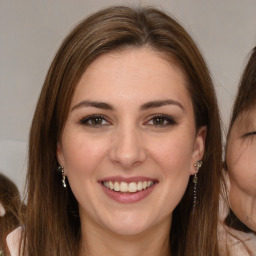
(52,225)
(11,202)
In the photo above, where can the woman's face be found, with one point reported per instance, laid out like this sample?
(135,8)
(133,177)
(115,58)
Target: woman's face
(241,164)
(129,143)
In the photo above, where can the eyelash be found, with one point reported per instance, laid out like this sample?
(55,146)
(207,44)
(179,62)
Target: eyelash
(164,118)
(85,121)
(250,134)
(159,119)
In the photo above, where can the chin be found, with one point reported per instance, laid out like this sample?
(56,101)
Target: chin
(129,230)
(128,225)
(252,225)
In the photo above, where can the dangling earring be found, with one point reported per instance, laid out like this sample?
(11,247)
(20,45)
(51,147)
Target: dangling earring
(61,169)
(197,165)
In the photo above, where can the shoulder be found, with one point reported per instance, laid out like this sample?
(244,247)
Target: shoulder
(242,243)
(13,241)
(235,242)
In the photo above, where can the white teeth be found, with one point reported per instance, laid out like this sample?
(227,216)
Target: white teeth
(139,186)
(125,187)
(144,184)
(111,185)
(116,186)
(150,183)
(132,187)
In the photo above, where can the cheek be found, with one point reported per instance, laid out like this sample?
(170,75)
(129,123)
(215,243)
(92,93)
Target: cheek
(173,156)
(82,154)
(174,153)
(242,168)
(174,159)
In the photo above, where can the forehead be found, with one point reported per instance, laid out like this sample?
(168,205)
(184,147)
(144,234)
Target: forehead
(245,120)
(132,70)
(244,123)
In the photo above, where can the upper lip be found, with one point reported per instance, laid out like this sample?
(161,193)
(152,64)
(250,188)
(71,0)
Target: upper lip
(127,179)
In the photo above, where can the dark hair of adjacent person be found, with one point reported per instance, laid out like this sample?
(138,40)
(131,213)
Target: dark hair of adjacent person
(246,94)
(244,102)
(10,200)
(52,218)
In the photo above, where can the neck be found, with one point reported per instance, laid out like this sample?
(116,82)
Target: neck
(97,241)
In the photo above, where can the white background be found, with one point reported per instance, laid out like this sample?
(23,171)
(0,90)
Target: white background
(31,32)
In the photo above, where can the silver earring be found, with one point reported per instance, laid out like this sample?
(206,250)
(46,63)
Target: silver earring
(197,165)
(61,169)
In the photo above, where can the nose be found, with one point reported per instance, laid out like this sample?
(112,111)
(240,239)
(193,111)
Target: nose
(127,148)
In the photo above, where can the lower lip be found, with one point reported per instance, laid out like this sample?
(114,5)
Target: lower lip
(128,197)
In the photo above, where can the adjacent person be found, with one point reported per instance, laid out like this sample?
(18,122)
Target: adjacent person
(238,235)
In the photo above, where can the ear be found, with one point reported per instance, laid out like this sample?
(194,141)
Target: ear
(199,147)
(2,210)
(59,153)
(227,180)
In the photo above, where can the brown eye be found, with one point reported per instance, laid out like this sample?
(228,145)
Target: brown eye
(94,121)
(160,120)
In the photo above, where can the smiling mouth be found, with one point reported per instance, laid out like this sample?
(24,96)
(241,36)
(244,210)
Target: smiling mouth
(131,187)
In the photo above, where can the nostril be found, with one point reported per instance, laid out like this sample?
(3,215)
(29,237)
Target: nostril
(127,145)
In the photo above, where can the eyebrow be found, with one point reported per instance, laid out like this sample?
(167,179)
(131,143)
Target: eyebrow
(95,104)
(160,103)
(145,106)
